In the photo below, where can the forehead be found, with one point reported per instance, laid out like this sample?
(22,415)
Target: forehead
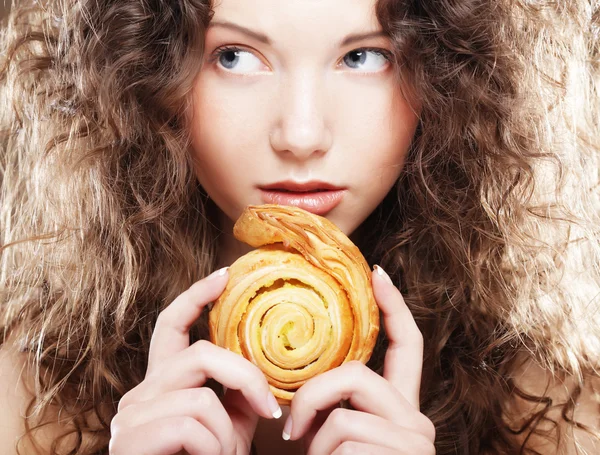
(300,18)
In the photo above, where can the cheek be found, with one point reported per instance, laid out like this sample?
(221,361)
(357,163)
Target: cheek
(384,129)
(222,138)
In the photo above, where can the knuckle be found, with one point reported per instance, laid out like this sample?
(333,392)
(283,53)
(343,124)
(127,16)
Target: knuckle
(417,336)
(188,430)
(115,425)
(114,447)
(356,369)
(196,286)
(203,343)
(413,335)
(188,425)
(126,400)
(348,448)
(354,366)
(339,418)
(117,444)
(204,397)
(202,346)
(153,375)
(148,389)
(423,445)
(428,429)
(201,350)
(164,318)
(125,417)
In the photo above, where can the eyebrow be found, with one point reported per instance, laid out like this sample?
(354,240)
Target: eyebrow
(265,39)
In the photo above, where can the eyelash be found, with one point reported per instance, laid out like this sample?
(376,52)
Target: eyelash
(222,50)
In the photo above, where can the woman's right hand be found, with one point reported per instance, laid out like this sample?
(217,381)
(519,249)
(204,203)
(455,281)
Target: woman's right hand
(170,411)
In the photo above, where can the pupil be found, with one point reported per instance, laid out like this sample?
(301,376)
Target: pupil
(355,57)
(229,57)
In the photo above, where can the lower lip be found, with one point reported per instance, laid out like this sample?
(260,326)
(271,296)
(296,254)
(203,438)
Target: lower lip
(317,202)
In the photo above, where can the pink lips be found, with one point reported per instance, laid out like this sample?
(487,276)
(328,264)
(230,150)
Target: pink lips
(315,197)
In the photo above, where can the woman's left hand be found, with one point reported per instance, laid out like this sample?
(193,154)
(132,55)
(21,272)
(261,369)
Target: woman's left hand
(387,419)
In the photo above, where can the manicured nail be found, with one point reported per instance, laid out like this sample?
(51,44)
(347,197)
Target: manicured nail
(382,273)
(274,406)
(219,272)
(287,429)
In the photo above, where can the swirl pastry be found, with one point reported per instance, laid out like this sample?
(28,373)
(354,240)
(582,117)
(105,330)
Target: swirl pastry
(300,304)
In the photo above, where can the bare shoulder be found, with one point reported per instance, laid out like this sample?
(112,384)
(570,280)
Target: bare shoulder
(561,438)
(14,398)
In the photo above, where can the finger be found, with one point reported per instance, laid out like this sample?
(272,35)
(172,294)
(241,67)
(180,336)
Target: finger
(365,390)
(171,332)
(346,425)
(404,357)
(349,447)
(194,365)
(243,418)
(316,425)
(164,437)
(202,404)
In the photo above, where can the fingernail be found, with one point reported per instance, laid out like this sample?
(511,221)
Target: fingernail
(287,429)
(382,273)
(274,406)
(219,272)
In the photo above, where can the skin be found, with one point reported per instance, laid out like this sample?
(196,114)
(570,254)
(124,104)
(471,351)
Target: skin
(299,124)
(295,109)
(171,410)
(298,109)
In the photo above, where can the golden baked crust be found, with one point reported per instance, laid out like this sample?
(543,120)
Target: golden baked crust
(298,305)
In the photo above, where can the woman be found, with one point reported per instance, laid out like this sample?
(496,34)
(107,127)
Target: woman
(137,132)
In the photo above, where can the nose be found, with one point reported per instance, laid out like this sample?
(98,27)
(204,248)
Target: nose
(301,130)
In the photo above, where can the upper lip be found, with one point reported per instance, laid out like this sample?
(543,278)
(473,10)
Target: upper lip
(290,185)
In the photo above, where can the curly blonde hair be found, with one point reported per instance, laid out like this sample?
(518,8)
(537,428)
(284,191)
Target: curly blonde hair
(491,232)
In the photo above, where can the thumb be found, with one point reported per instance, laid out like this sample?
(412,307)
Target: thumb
(243,417)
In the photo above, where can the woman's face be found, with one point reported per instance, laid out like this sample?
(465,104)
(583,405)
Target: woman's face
(299,102)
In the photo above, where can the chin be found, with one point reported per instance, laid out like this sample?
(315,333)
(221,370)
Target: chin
(347,223)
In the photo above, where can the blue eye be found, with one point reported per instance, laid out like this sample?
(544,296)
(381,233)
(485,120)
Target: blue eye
(367,59)
(237,60)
